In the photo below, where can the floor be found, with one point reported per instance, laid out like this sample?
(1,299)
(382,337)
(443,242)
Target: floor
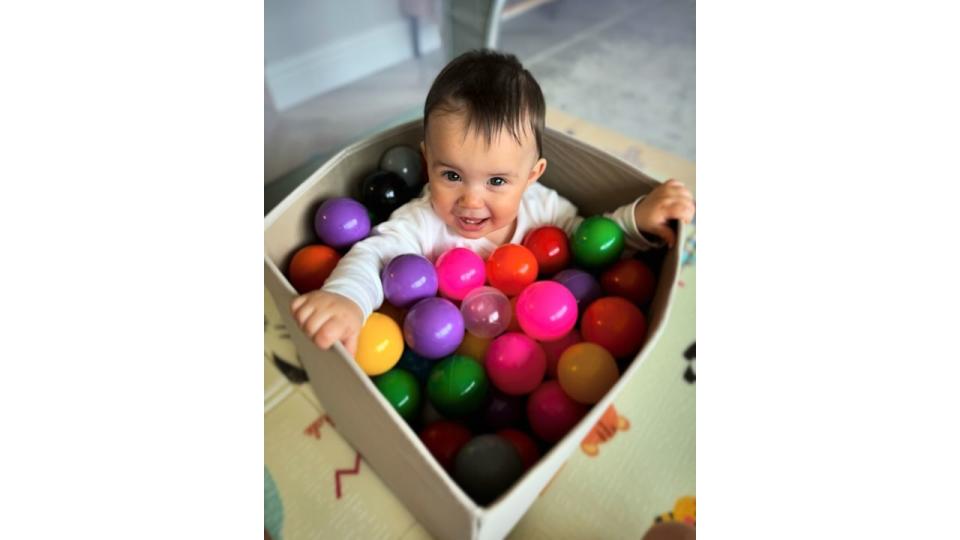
(626,65)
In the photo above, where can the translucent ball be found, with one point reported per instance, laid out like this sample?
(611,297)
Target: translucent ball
(486,312)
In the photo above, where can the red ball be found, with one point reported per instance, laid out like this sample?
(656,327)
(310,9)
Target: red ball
(511,267)
(616,325)
(551,412)
(311,266)
(551,247)
(630,279)
(529,453)
(444,439)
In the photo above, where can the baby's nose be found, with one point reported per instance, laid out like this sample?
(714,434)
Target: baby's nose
(471,200)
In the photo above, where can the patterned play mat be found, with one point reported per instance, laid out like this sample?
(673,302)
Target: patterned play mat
(637,466)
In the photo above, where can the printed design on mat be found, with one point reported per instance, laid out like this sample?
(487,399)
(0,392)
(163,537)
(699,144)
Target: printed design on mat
(684,511)
(608,426)
(272,508)
(690,374)
(344,472)
(313,430)
(289,367)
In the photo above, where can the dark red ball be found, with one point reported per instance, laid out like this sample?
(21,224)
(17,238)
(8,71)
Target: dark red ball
(630,279)
(444,439)
(551,248)
(529,453)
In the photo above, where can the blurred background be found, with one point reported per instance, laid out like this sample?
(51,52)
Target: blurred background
(336,72)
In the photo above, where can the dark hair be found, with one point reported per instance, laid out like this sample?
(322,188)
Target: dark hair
(495,92)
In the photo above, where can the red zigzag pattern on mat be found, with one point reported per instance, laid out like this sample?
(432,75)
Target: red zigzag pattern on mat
(354,470)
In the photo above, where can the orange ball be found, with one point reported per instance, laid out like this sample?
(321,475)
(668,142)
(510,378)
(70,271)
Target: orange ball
(380,344)
(311,266)
(630,279)
(616,325)
(511,267)
(586,372)
(474,347)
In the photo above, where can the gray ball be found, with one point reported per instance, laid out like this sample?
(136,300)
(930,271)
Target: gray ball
(486,467)
(405,162)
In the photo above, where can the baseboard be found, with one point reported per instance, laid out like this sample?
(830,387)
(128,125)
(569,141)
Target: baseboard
(294,80)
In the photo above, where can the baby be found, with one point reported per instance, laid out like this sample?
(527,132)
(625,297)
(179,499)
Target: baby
(483,122)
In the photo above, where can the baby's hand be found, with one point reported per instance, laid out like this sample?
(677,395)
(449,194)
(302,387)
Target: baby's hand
(328,317)
(671,200)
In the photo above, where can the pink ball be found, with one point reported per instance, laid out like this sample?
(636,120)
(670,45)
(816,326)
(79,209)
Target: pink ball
(553,350)
(552,414)
(459,271)
(546,310)
(486,312)
(515,364)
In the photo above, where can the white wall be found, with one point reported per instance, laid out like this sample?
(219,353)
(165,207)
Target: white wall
(313,46)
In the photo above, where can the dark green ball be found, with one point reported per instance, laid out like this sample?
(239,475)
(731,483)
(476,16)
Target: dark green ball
(457,385)
(402,391)
(597,242)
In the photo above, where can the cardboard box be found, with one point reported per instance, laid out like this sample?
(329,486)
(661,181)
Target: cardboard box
(593,180)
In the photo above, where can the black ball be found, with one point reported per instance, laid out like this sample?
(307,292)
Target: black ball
(383,192)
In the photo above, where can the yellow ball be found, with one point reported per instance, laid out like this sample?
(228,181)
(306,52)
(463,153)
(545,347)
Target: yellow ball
(380,344)
(474,347)
(586,371)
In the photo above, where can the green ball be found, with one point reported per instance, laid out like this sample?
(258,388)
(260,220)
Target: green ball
(402,390)
(457,385)
(597,242)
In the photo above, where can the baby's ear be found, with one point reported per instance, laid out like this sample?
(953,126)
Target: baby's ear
(423,150)
(538,169)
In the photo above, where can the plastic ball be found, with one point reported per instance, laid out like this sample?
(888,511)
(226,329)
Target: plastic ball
(383,192)
(546,310)
(583,286)
(473,346)
(630,279)
(417,365)
(341,221)
(616,325)
(408,279)
(501,410)
(433,327)
(444,439)
(551,248)
(525,446)
(597,242)
(457,386)
(459,271)
(515,364)
(586,372)
(402,391)
(511,267)
(311,266)
(553,350)
(551,412)
(380,344)
(486,312)
(405,162)
(486,467)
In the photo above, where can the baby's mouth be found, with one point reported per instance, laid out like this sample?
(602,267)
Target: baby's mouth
(471,224)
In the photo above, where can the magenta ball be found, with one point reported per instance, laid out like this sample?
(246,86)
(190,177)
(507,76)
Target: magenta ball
(552,414)
(553,350)
(546,310)
(459,271)
(486,312)
(408,279)
(433,327)
(515,364)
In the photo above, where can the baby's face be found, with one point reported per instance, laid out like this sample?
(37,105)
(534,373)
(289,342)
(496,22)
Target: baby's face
(475,188)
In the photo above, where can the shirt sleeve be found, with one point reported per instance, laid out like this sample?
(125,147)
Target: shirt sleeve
(357,275)
(562,213)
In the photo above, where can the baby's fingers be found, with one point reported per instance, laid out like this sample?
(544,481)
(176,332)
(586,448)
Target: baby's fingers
(331,332)
(351,343)
(682,210)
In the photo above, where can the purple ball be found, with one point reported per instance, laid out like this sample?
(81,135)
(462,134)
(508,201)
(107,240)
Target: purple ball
(433,327)
(502,411)
(341,221)
(408,279)
(583,286)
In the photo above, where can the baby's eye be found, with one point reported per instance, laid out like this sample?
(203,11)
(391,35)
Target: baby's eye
(497,181)
(450,175)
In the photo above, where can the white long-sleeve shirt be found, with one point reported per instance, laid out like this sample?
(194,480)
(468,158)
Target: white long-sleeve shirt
(416,228)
